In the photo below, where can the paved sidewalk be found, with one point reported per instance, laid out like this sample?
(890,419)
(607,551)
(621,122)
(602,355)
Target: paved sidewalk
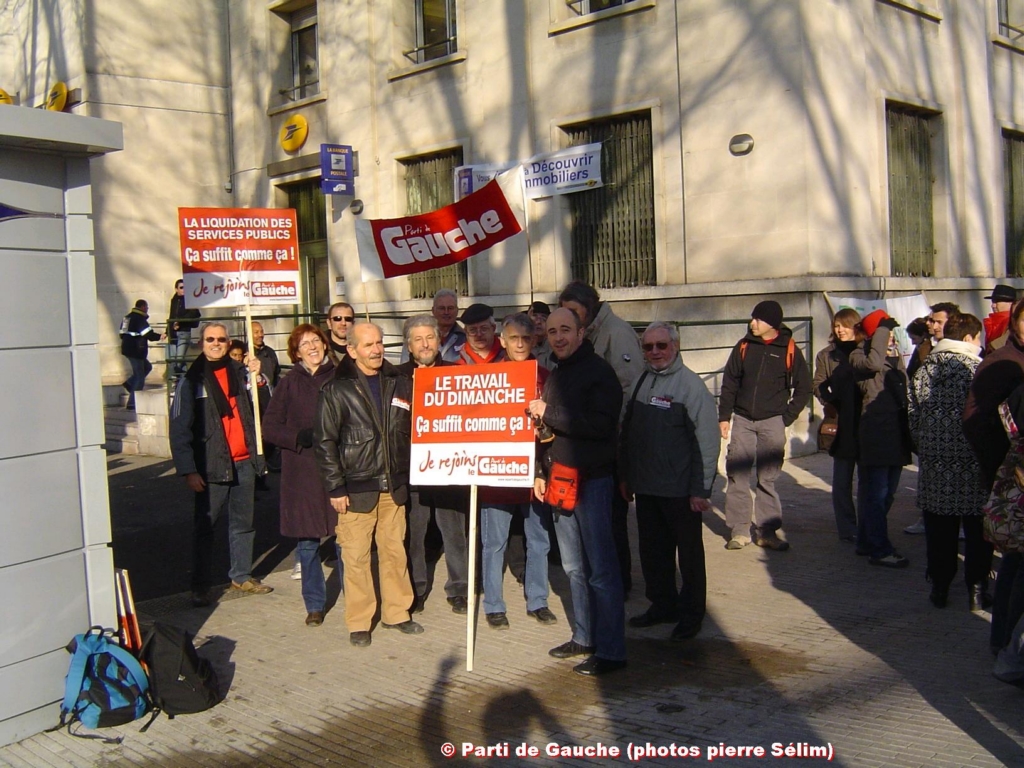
(809,648)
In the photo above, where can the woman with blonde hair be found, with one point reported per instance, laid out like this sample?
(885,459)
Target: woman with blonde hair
(836,388)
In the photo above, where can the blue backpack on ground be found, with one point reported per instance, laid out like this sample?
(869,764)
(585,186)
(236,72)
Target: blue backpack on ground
(105,685)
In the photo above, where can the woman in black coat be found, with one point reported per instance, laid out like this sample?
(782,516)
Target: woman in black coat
(306,512)
(835,386)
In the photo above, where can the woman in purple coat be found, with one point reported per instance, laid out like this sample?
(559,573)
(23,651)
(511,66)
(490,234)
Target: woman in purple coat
(306,512)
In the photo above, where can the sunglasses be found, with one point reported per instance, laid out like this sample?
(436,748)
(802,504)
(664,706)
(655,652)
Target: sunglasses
(659,345)
(217,339)
(346,318)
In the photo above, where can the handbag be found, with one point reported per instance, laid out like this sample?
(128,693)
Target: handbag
(563,488)
(827,433)
(1003,523)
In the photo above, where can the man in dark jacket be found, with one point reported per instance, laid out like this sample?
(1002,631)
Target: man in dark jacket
(449,505)
(762,371)
(669,457)
(213,443)
(340,319)
(135,337)
(180,324)
(616,342)
(267,356)
(580,404)
(362,439)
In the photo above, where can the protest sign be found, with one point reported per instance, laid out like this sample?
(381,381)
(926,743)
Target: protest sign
(410,244)
(234,256)
(470,426)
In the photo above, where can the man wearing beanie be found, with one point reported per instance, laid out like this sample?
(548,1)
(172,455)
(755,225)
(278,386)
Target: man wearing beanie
(764,387)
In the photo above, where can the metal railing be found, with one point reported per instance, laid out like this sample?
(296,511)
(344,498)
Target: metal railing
(801,326)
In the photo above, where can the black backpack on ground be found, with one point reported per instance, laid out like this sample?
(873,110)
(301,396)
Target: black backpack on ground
(180,682)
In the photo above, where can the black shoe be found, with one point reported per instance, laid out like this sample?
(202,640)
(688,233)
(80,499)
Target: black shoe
(543,615)
(570,649)
(939,596)
(201,598)
(685,630)
(360,639)
(497,620)
(409,627)
(595,665)
(459,604)
(978,598)
(314,618)
(417,604)
(771,540)
(895,560)
(651,617)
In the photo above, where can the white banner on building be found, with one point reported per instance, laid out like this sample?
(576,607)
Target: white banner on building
(568,170)
(905,309)
(470,178)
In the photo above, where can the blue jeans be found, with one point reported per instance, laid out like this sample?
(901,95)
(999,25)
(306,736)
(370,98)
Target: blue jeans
(237,496)
(876,488)
(314,586)
(590,562)
(140,370)
(176,351)
(842,497)
(494,526)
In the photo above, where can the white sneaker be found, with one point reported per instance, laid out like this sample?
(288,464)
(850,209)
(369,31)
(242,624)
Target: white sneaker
(297,571)
(916,528)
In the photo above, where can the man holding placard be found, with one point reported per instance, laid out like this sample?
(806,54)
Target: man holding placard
(361,438)
(580,404)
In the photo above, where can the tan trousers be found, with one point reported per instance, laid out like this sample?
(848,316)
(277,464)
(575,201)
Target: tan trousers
(356,533)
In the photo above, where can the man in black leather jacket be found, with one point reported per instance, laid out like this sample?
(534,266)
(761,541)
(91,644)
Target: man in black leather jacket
(362,437)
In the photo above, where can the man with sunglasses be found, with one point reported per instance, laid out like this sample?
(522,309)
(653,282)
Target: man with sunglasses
(668,452)
(340,319)
(213,444)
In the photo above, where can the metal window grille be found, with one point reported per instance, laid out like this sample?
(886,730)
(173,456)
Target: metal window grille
(1011,19)
(613,226)
(1013,182)
(911,226)
(429,185)
(436,31)
(307,199)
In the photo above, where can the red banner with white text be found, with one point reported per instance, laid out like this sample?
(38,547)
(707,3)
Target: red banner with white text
(395,247)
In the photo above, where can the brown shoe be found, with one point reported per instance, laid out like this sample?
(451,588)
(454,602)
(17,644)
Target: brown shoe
(314,618)
(252,586)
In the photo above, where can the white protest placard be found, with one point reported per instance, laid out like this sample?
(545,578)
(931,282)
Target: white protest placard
(232,257)
(470,427)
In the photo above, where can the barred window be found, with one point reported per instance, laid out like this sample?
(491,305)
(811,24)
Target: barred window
(1013,191)
(307,199)
(911,225)
(613,226)
(429,185)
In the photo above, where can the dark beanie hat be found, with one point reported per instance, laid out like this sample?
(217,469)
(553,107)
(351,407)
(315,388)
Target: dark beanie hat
(770,312)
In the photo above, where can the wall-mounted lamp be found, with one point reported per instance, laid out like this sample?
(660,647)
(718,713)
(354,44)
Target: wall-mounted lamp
(356,206)
(741,144)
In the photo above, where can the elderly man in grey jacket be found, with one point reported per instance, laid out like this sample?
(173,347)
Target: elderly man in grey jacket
(669,449)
